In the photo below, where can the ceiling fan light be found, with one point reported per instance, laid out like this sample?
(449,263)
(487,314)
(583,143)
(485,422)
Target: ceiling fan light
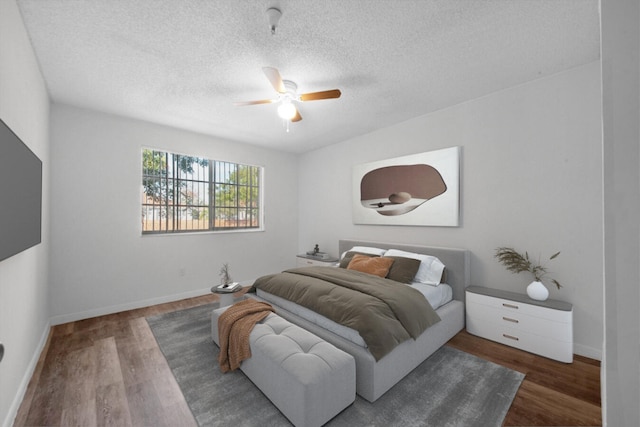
(273,14)
(287,110)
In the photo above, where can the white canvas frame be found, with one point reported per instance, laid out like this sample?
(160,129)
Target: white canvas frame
(442,210)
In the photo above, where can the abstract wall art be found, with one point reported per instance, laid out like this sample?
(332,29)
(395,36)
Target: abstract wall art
(420,189)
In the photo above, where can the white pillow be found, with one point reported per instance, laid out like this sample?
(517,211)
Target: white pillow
(431,268)
(365,250)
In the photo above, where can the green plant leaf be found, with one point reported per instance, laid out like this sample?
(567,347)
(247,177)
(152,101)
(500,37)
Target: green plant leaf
(516,262)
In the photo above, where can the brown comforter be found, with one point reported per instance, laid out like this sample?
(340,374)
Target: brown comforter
(384,312)
(234,327)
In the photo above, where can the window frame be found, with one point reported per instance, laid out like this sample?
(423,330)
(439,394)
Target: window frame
(212,207)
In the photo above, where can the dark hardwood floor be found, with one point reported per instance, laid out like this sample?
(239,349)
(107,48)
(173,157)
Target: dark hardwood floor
(109,371)
(552,393)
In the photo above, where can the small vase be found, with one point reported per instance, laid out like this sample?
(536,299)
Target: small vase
(537,291)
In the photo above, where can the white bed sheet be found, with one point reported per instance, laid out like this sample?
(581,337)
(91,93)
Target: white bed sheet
(436,295)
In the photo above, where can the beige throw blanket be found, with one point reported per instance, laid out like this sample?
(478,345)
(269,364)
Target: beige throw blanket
(234,327)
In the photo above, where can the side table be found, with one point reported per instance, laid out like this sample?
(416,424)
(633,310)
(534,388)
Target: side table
(225,298)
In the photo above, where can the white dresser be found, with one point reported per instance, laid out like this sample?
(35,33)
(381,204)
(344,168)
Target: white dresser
(540,327)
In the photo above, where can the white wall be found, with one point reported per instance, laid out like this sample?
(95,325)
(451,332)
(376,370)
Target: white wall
(24,311)
(531,172)
(100,261)
(620,21)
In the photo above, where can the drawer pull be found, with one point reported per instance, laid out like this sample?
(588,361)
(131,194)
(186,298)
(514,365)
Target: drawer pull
(510,305)
(508,319)
(511,337)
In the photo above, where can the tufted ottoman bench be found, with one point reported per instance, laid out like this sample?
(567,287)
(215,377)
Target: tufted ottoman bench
(309,380)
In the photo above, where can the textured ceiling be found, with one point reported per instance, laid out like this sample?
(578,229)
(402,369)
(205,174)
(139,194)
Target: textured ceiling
(183,63)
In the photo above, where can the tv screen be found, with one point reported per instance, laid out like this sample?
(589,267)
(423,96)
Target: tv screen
(20,195)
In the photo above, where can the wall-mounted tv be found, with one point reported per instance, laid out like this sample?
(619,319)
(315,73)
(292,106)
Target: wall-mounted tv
(20,195)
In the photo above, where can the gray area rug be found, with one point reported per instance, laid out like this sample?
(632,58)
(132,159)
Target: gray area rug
(450,388)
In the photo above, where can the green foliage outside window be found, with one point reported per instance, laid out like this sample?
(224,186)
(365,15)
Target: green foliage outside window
(187,193)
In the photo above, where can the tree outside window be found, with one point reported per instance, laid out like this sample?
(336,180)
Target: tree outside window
(186,193)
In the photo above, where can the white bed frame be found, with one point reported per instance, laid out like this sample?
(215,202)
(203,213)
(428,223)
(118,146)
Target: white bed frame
(373,378)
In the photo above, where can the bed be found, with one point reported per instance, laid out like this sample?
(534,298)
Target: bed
(375,377)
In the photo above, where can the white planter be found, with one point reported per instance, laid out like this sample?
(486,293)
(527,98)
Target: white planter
(537,291)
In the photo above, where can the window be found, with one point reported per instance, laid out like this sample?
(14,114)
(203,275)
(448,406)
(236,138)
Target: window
(188,194)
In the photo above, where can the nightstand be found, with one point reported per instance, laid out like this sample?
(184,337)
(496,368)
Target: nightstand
(540,327)
(309,260)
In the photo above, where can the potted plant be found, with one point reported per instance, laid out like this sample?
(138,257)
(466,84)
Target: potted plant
(516,262)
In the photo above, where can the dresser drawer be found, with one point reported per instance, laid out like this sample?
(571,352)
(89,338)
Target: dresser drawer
(304,262)
(307,262)
(537,344)
(512,307)
(518,320)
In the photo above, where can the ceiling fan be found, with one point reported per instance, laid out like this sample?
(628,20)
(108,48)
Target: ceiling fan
(287,95)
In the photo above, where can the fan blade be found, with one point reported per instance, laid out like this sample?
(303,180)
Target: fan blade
(326,94)
(274,78)
(297,117)
(262,101)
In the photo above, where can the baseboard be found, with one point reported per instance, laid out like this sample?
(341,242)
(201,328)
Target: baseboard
(73,317)
(22,389)
(586,351)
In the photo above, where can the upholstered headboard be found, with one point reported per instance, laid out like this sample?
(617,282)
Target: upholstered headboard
(456,260)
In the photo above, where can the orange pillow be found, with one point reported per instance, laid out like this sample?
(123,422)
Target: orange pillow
(378,266)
